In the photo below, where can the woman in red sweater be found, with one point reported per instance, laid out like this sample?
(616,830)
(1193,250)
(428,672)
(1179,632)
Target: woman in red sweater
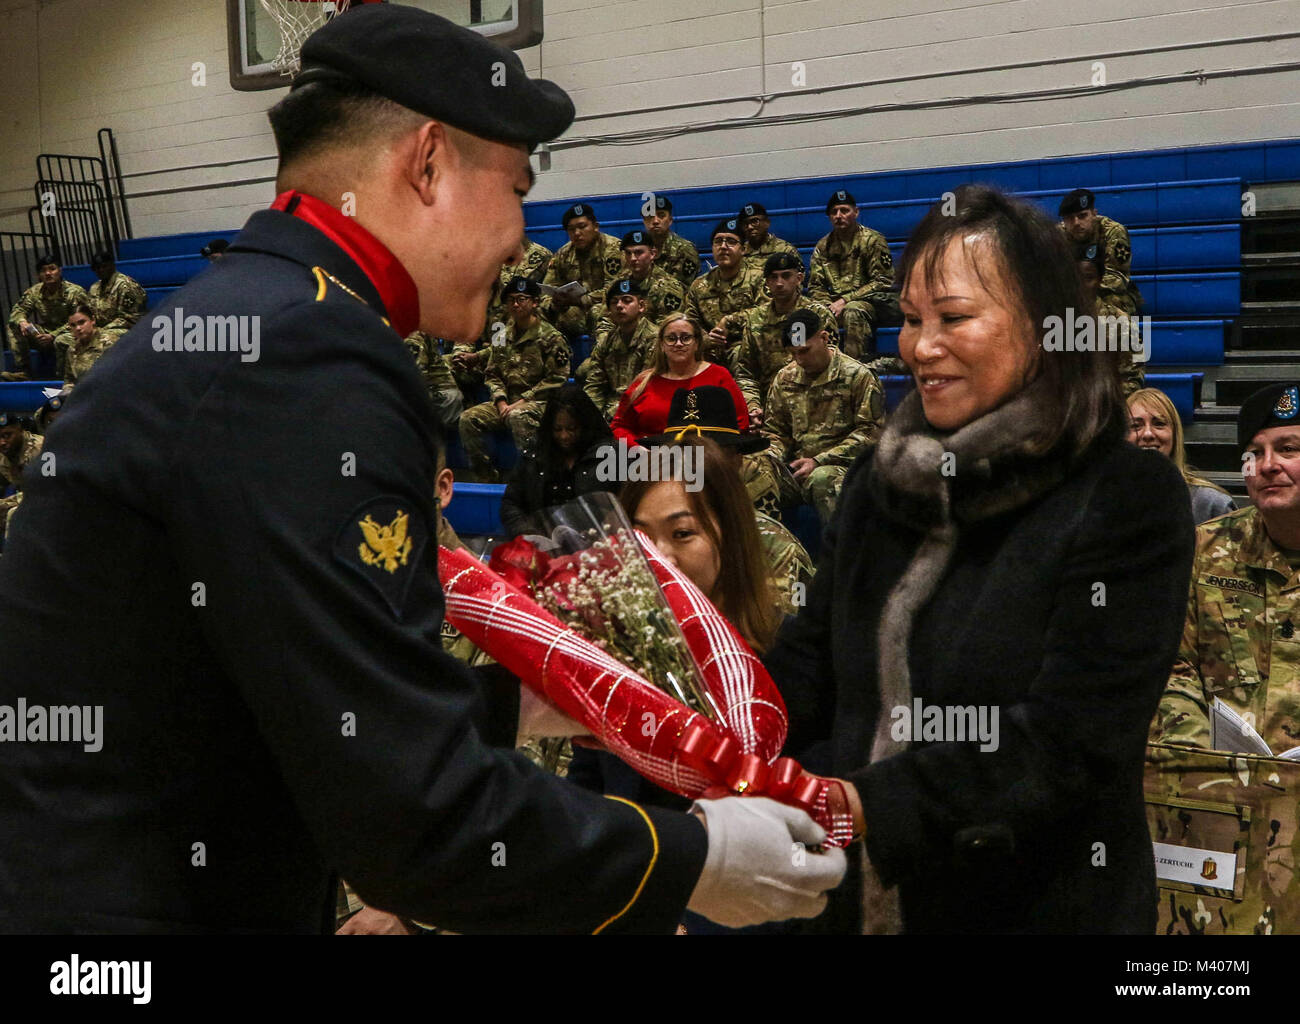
(643,409)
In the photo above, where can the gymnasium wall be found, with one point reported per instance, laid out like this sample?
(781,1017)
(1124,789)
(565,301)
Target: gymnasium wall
(683,92)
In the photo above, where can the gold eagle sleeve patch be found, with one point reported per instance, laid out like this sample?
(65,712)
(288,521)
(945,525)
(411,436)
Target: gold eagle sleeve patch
(382,542)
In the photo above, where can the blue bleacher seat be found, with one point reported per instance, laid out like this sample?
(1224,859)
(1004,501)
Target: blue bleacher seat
(475,509)
(25,396)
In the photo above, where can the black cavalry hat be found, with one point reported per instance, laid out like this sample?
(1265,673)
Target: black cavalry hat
(707,411)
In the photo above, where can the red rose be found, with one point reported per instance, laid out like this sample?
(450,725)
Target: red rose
(519,563)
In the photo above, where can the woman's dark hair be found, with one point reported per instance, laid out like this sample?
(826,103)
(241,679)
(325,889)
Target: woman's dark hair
(1039,267)
(722,507)
(592,428)
(83,309)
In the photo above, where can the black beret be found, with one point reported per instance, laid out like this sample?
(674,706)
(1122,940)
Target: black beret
(1076,202)
(623,286)
(523,286)
(637,237)
(751,210)
(47,259)
(436,68)
(782,261)
(663,203)
(730,226)
(810,326)
(6,418)
(1277,405)
(578,210)
(838,198)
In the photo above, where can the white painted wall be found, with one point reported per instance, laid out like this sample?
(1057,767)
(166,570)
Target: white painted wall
(68,67)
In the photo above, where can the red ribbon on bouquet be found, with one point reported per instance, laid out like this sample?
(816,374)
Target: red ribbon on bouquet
(670,744)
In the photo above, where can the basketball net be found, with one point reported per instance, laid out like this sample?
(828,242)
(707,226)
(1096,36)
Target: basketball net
(296,20)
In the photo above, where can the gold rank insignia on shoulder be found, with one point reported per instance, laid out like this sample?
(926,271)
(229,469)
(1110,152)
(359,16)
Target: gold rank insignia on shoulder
(382,541)
(385,546)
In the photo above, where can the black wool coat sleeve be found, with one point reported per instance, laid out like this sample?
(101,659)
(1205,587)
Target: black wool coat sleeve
(1064,616)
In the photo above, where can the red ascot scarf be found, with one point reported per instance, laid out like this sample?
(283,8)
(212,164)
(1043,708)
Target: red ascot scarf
(396,289)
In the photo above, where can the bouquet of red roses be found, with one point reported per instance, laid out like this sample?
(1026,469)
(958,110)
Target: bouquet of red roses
(623,643)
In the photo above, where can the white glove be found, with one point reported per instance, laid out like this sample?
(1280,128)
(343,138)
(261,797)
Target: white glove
(759,867)
(538,717)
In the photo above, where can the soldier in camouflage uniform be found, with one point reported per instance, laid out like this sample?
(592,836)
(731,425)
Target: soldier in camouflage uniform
(823,411)
(663,293)
(1083,226)
(18,450)
(789,566)
(851,272)
(718,300)
(1091,259)
(41,314)
(594,259)
(85,345)
(1241,640)
(436,370)
(622,350)
(118,301)
(761,351)
(537,258)
(676,256)
(531,361)
(759,244)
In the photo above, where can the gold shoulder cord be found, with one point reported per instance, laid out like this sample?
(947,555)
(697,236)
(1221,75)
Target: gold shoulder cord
(323,275)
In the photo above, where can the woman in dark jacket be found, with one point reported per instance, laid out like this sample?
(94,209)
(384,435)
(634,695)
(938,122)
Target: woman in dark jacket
(564,463)
(1005,561)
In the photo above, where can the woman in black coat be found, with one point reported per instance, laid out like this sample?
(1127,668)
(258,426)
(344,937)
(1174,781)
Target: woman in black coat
(572,440)
(1006,558)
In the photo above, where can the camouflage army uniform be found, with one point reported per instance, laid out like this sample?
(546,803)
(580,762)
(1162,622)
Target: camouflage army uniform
(75,358)
(664,296)
(533,266)
(436,371)
(755,258)
(1241,640)
(12,470)
(598,268)
(1131,375)
(832,419)
(615,362)
(761,352)
(48,312)
(858,271)
(118,305)
(1117,287)
(678,258)
(528,366)
(712,298)
(1223,812)
(790,568)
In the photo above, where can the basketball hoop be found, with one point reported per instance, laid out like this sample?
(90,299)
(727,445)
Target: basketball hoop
(296,20)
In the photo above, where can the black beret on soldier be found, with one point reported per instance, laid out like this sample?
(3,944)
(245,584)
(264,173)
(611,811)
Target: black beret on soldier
(730,226)
(808,325)
(751,210)
(637,237)
(782,261)
(523,286)
(840,197)
(663,203)
(578,210)
(623,286)
(436,68)
(1277,405)
(1076,202)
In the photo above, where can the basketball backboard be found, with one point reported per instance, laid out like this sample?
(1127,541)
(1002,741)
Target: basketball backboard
(254,38)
